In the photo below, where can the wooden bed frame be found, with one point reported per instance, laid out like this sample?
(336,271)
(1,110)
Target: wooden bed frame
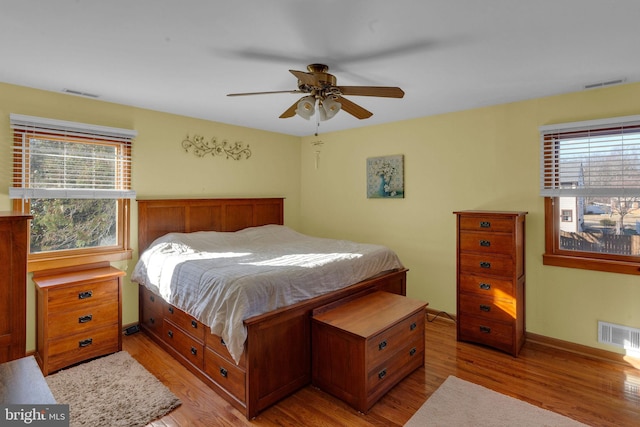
(277,355)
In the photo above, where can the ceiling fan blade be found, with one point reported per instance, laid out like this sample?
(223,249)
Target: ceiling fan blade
(264,93)
(354,109)
(304,77)
(290,112)
(382,91)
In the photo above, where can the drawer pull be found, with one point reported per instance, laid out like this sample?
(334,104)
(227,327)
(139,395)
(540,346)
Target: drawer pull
(85,294)
(382,345)
(413,326)
(194,324)
(485,243)
(223,372)
(85,343)
(485,224)
(171,310)
(413,351)
(152,320)
(152,298)
(485,308)
(194,351)
(85,319)
(382,374)
(485,286)
(170,333)
(222,342)
(485,264)
(485,329)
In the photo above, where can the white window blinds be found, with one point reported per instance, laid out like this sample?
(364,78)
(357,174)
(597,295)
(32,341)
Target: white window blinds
(591,158)
(60,159)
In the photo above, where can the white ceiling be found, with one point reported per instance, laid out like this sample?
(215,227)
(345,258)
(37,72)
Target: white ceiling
(183,57)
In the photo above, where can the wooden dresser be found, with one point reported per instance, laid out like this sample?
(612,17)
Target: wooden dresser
(363,347)
(14,244)
(491,278)
(79,315)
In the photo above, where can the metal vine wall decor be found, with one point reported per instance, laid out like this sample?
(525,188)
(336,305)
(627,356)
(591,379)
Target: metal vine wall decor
(201,147)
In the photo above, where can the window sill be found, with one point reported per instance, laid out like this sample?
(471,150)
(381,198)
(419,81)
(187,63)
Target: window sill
(585,263)
(41,263)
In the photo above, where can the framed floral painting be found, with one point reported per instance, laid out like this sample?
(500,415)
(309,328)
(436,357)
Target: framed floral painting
(385,177)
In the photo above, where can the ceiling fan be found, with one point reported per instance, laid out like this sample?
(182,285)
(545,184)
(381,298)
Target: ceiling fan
(322,93)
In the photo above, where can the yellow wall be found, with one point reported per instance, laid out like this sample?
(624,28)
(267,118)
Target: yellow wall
(161,168)
(485,158)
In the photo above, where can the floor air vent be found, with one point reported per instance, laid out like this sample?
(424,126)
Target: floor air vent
(620,336)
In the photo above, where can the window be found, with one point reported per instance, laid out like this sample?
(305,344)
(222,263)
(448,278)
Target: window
(590,178)
(75,179)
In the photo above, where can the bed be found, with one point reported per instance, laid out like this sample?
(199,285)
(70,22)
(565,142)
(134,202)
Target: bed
(271,356)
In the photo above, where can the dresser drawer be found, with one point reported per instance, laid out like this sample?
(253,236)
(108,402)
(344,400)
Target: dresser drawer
(190,348)
(216,343)
(486,331)
(72,297)
(486,242)
(230,377)
(391,341)
(485,223)
(487,286)
(500,309)
(486,264)
(64,323)
(72,349)
(188,323)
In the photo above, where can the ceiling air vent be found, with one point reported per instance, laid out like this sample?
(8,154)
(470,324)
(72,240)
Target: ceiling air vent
(80,93)
(603,84)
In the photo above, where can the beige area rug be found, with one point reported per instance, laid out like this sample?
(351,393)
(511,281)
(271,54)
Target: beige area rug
(461,403)
(112,391)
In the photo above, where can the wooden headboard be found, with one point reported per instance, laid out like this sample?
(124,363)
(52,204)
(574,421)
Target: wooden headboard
(162,216)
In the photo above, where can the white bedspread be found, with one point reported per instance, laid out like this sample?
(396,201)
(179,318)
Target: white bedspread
(222,279)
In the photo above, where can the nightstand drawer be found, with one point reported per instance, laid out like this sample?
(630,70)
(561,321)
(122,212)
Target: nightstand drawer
(64,323)
(500,309)
(69,350)
(72,297)
(386,344)
(410,357)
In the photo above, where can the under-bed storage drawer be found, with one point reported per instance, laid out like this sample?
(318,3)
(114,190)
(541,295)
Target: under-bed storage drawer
(216,343)
(228,375)
(184,321)
(189,347)
(151,310)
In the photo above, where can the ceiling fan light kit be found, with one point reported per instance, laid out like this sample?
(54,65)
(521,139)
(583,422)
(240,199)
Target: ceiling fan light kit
(324,95)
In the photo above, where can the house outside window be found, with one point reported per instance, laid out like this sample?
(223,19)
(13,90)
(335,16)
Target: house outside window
(75,180)
(590,178)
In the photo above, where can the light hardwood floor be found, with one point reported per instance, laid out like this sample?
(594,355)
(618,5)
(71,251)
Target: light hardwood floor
(595,392)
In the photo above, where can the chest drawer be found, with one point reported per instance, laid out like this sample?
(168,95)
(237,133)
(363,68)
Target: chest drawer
(486,331)
(231,377)
(188,323)
(486,242)
(410,357)
(502,309)
(487,286)
(87,294)
(491,264)
(384,345)
(190,348)
(485,223)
